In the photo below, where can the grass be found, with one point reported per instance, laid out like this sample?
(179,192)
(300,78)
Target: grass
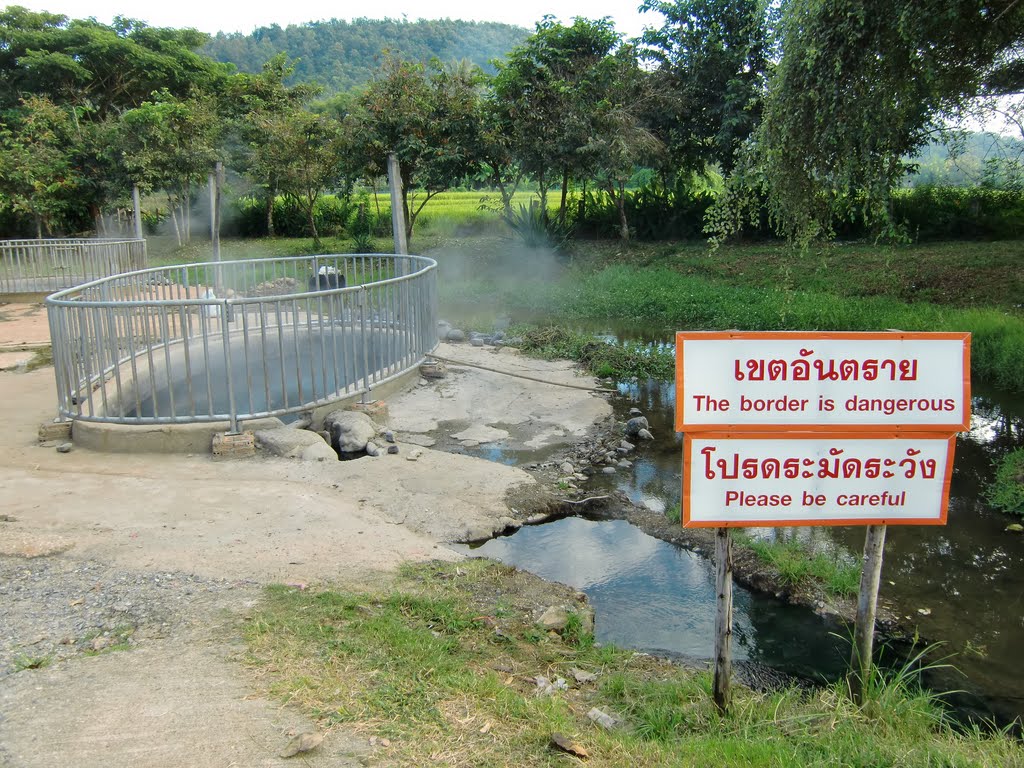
(797,562)
(1006,491)
(442,665)
(23,662)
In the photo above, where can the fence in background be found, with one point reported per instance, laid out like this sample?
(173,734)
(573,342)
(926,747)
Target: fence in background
(239,340)
(41,266)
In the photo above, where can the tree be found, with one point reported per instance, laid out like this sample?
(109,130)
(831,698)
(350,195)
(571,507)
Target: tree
(620,140)
(547,92)
(860,85)
(431,122)
(251,104)
(303,152)
(102,69)
(712,60)
(170,145)
(37,176)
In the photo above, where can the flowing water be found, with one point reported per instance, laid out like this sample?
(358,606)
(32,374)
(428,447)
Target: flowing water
(961,584)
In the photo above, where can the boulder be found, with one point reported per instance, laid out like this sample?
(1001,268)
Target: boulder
(295,444)
(634,425)
(350,430)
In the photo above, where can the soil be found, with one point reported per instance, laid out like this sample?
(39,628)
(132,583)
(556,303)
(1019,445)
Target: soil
(124,579)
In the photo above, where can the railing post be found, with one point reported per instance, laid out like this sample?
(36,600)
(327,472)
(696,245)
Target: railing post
(229,374)
(366,346)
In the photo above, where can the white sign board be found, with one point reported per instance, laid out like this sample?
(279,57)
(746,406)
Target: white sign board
(841,479)
(822,382)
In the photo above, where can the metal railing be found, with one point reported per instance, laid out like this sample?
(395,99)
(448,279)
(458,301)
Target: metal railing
(37,266)
(238,340)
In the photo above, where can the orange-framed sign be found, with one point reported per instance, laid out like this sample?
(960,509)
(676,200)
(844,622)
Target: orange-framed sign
(822,382)
(851,478)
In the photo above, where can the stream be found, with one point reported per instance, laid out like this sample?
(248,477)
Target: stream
(961,584)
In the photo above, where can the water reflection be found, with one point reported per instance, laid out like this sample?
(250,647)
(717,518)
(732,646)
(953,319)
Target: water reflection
(649,594)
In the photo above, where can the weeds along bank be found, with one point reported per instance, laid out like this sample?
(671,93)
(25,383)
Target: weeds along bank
(447,666)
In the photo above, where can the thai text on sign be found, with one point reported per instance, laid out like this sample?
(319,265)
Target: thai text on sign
(822,381)
(840,479)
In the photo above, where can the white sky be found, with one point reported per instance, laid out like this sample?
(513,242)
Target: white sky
(212,16)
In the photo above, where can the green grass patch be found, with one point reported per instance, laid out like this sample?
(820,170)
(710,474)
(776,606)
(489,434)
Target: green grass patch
(796,562)
(604,359)
(443,662)
(1006,491)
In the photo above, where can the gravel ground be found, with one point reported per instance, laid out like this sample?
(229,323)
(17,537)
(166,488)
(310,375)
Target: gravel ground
(58,607)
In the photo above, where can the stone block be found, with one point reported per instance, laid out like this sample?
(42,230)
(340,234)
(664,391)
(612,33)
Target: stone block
(56,430)
(375,409)
(229,446)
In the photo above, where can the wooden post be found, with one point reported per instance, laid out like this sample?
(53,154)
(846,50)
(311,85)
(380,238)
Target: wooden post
(137,211)
(397,212)
(216,180)
(867,601)
(723,618)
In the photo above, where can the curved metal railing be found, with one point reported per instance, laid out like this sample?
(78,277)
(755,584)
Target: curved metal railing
(36,266)
(238,340)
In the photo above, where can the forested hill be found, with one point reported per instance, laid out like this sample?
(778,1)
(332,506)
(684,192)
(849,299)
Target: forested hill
(341,54)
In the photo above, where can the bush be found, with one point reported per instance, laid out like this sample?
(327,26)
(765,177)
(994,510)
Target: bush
(1006,492)
(960,213)
(247,217)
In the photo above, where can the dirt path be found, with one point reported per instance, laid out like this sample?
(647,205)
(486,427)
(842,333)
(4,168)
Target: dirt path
(164,554)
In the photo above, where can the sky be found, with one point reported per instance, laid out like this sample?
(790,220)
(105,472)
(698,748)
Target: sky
(215,16)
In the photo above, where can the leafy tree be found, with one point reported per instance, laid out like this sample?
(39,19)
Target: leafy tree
(252,104)
(431,122)
(712,59)
(620,140)
(303,152)
(859,86)
(547,93)
(37,176)
(98,68)
(170,145)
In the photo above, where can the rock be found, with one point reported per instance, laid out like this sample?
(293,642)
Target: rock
(303,742)
(65,448)
(295,444)
(350,430)
(609,470)
(554,618)
(389,436)
(456,335)
(567,468)
(634,425)
(602,718)
(626,446)
(476,341)
(547,687)
(392,449)
(624,464)
(372,449)
(622,451)
(925,611)
(434,369)
(582,677)
(443,329)
(635,412)
(414,454)
(645,434)
(1015,528)
(562,743)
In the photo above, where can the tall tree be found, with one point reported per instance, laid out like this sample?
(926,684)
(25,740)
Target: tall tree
(712,59)
(37,176)
(431,121)
(251,104)
(861,84)
(547,92)
(170,145)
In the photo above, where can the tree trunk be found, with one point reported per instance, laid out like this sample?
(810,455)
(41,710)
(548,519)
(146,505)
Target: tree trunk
(271,195)
(174,218)
(39,227)
(620,205)
(565,195)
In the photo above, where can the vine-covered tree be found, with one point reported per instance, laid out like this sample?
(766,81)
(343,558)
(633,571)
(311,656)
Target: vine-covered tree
(860,85)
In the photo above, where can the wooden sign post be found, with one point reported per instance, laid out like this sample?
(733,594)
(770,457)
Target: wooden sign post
(785,429)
